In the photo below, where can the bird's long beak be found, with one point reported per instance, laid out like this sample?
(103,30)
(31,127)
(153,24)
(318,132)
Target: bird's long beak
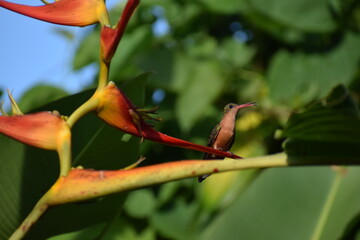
(250,104)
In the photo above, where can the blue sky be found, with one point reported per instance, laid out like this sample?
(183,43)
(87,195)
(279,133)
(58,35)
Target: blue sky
(32,51)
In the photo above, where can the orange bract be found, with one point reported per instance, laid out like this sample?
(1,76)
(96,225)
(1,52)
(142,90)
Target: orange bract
(41,130)
(110,37)
(65,12)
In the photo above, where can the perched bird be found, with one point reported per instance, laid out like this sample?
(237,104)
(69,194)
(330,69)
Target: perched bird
(223,135)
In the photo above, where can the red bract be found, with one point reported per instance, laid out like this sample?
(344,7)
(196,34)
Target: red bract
(110,37)
(117,110)
(65,12)
(43,130)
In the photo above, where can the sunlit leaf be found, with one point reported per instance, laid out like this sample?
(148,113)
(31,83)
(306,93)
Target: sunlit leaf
(40,95)
(299,77)
(188,110)
(282,200)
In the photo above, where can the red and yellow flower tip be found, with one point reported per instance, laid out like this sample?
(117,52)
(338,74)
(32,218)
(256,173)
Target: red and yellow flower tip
(46,130)
(118,111)
(42,130)
(111,36)
(64,12)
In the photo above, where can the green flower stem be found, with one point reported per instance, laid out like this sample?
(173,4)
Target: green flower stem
(104,18)
(39,209)
(103,74)
(64,151)
(89,106)
(327,207)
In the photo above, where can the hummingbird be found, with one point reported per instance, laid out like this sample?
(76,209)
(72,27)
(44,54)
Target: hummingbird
(223,135)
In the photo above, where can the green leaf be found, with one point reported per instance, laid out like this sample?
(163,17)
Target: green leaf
(227,6)
(56,220)
(86,233)
(340,210)
(296,78)
(233,185)
(235,53)
(175,222)
(88,51)
(39,95)
(307,15)
(172,69)
(140,203)
(131,44)
(12,187)
(135,88)
(286,204)
(352,229)
(329,129)
(122,229)
(167,192)
(201,90)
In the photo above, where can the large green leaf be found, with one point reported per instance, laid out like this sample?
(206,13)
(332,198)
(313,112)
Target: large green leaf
(83,56)
(235,54)
(39,95)
(228,6)
(202,88)
(307,15)
(299,77)
(344,207)
(131,44)
(175,222)
(329,129)
(287,204)
(75,217)
(135,207)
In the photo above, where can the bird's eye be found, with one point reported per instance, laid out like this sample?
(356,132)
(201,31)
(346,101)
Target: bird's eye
(231,106)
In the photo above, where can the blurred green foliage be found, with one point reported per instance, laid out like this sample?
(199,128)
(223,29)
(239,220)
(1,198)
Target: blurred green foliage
(285,55)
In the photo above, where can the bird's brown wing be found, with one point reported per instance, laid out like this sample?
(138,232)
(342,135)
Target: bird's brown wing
(213,135)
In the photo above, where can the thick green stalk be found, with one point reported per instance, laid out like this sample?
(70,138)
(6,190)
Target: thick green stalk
(89,106)
(84,184)
(103,74)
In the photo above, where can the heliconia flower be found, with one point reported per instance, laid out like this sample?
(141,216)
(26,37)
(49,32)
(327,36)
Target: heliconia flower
(65,12)
(110,36)
(38,129)
(117,110)
(46,130)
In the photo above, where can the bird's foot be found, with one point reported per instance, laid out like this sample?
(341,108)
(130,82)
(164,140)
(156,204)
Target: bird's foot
(234,156)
